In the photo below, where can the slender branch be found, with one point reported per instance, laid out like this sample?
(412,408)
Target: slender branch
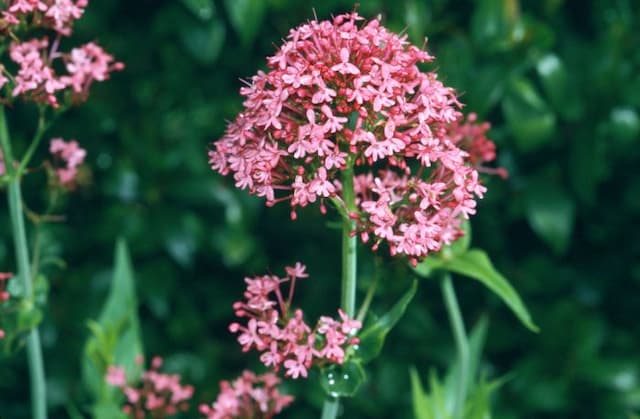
(34,350)
(35,142)
(462,344)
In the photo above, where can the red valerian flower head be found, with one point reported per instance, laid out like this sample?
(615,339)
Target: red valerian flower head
(346,95)
(248,396)
(281,334)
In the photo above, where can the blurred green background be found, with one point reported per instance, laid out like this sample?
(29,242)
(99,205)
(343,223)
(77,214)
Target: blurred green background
(560,82)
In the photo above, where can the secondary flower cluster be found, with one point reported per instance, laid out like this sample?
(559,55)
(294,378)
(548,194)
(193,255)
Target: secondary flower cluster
(249,396)
(35,78)
(4,295)
(282,335)
(159,395)
(71,154)
(342,95)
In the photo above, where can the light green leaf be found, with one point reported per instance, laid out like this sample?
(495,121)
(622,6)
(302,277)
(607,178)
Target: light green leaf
(557,86)
(246,17)
(419,398)
(204,9)
(528,117)
(493,23)
(372,338)
(551,213)
(204,42)
(115,336)
(476,264)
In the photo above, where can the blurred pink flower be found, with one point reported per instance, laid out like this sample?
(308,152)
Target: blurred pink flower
(158,394)
(71,154)
(4,295)
(249,396)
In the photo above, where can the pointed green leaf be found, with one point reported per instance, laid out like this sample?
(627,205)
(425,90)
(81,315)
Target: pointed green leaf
(204,9)
(372,338)
(551,213)
(477,338)
(246,17)
(477,265)
(116,334)
(419,399)
(529,119)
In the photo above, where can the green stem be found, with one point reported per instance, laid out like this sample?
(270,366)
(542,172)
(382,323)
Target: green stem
(462,344)
(37,137)
(349,265)
(330,408)
(349,242)
(34,349)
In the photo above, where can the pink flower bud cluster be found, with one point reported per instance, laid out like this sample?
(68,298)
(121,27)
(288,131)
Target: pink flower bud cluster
(249,396)
(4,294)
(71,154)
(35,78)
(281,333)
(342,94)
(158,395)
(58,15)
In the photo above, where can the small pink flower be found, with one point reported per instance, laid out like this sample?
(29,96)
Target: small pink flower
(116,376)
(70,153)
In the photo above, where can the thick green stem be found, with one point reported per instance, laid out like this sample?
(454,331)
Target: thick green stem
(349,265)
(349,243)
(330,408)
(462,344)
(34,350)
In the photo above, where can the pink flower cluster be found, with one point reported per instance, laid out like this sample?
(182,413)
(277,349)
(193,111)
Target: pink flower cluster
(71,154)
(4,295)
(282,335)
(345,94)
(35,78)
(249,396)
(158,395)
(58,15)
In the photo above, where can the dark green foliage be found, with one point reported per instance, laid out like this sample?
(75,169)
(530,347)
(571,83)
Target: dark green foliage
(558,79)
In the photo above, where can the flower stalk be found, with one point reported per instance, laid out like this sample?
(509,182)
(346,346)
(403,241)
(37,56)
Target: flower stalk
(34,349)
(349,271)
(462,344)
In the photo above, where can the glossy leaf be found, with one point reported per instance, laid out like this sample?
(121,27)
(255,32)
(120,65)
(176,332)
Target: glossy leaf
(557,86)
(550,212)
(529,119)
(477,265)
(372,337)
(246,17)
(493,22)
(116,334)
(204,42)
(204,9)
(343,380)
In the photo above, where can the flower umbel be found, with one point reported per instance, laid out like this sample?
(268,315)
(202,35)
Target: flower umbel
(71,154)
(158,395)
(249,396)
(346,94)
(281,334)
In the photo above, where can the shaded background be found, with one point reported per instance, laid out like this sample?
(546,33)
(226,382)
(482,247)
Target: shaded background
(558,80)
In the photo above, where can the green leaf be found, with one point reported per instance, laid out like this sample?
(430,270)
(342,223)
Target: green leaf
(437,260)
(204,9)
(343,380)
(493,23)
(476,264)
(204,42)
(528,117)
(372,338)
(557,87)
(477,340)
(422,406)
(551,213)
(246,17)
(115,336)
